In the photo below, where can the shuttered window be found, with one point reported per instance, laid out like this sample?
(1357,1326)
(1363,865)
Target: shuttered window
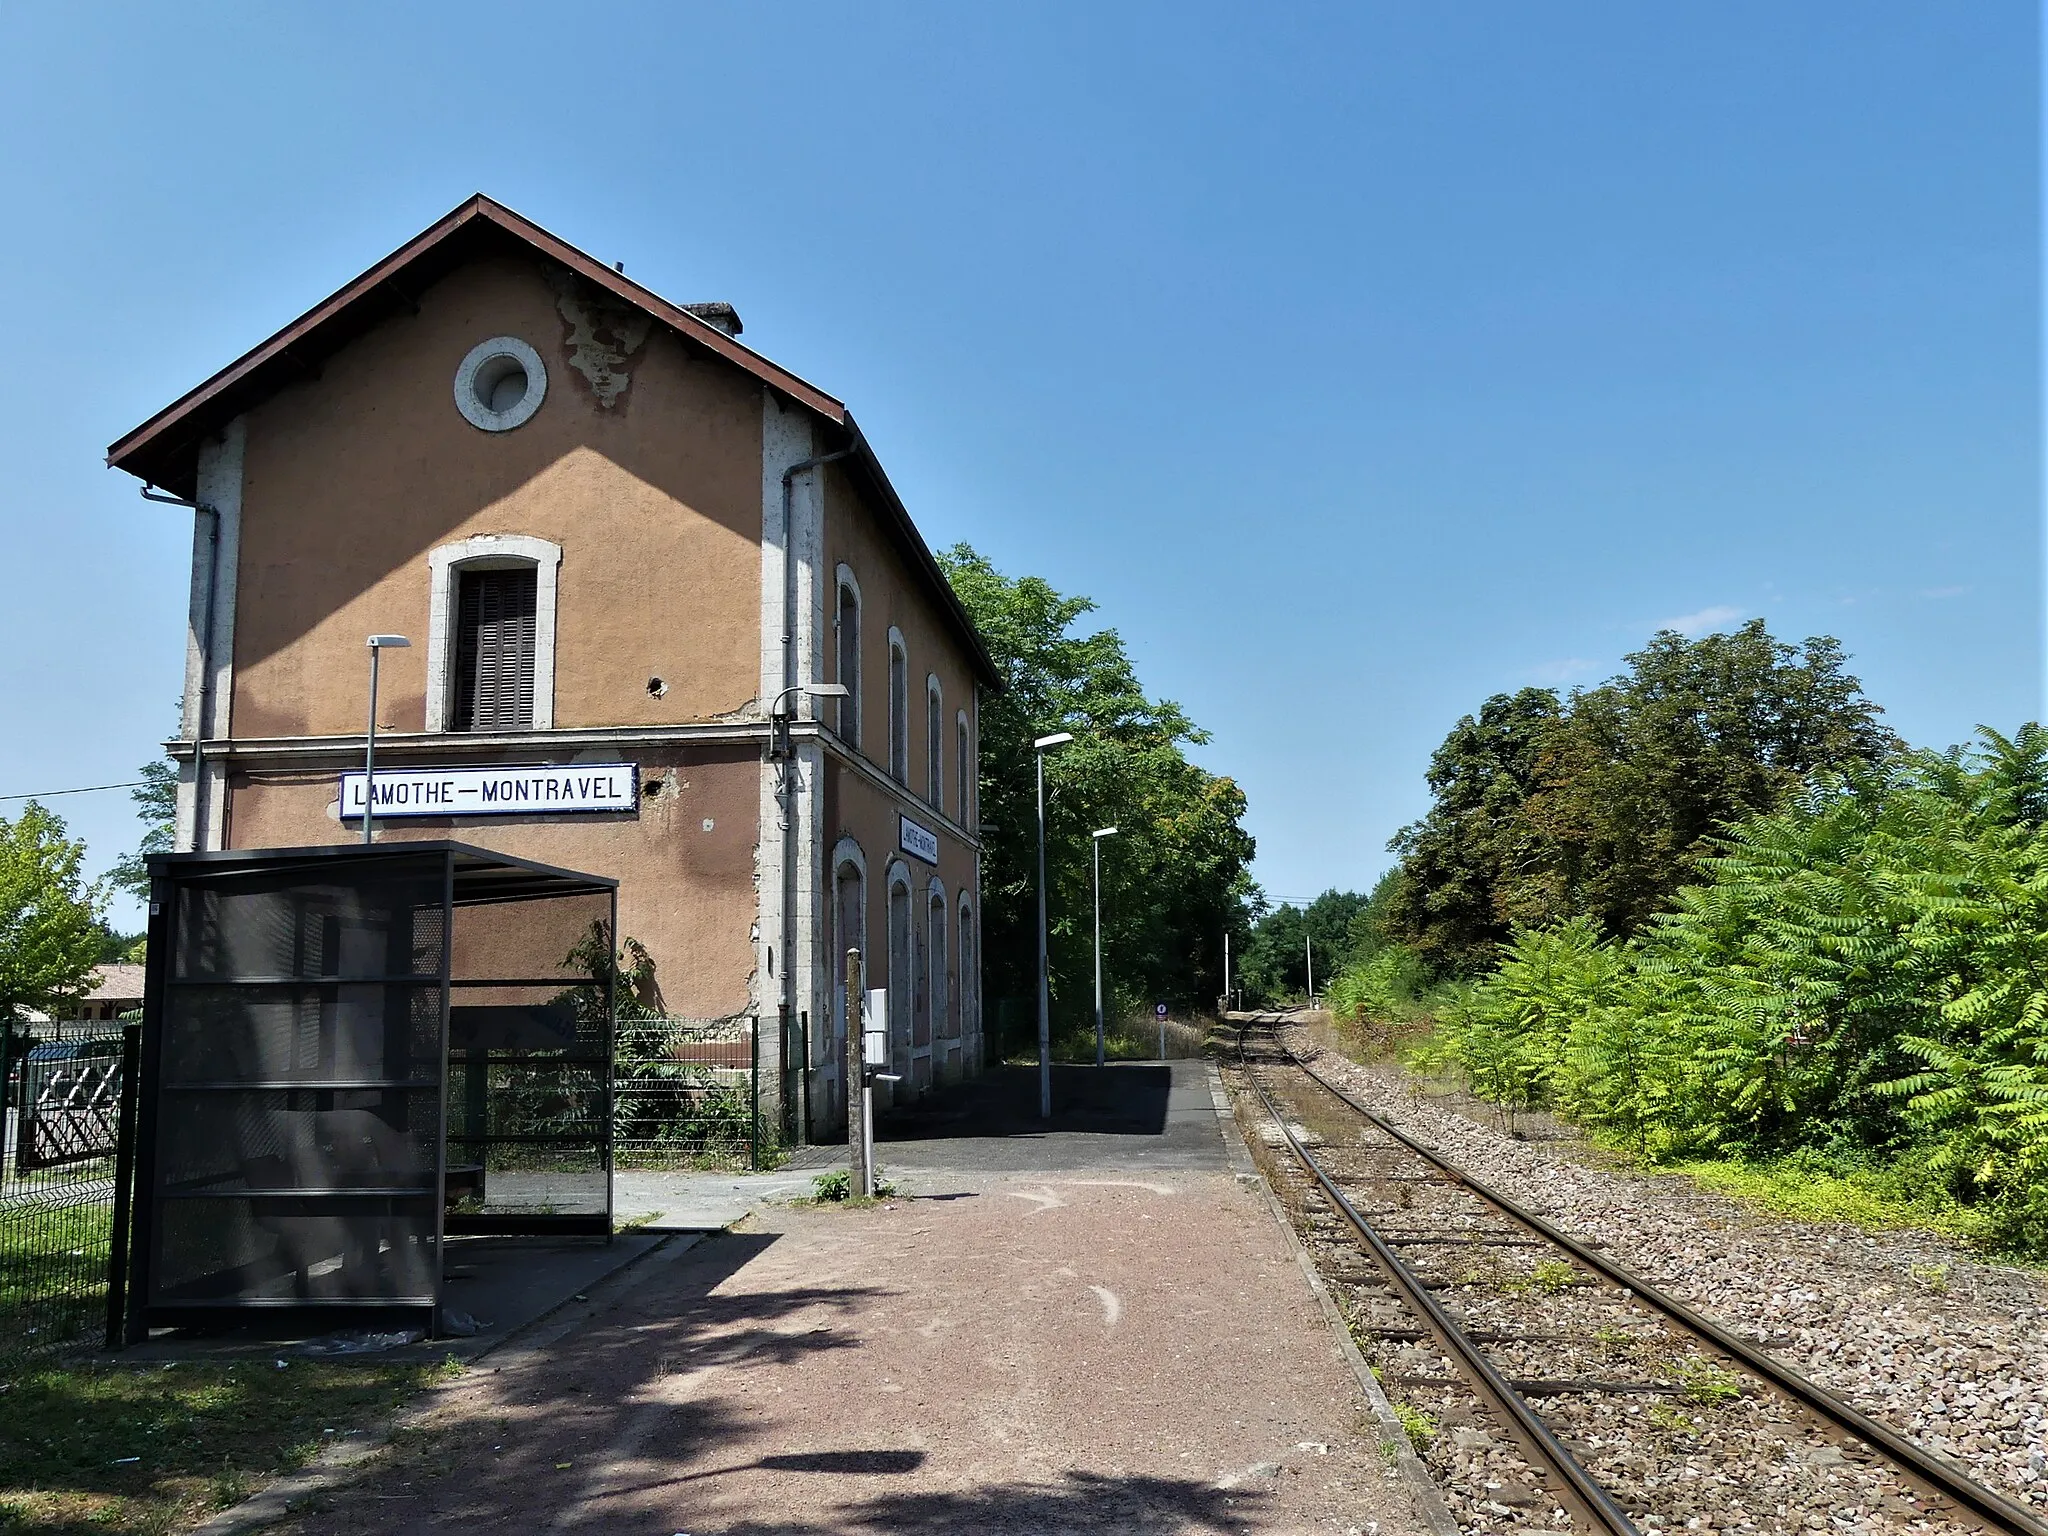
(494,649)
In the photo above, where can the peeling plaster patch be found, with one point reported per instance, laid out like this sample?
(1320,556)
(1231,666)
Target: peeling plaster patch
(599,334)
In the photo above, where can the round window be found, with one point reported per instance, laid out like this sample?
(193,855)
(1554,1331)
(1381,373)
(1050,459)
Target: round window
(500,384)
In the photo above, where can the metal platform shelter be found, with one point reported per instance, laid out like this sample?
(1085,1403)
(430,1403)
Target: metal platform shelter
(350,1053)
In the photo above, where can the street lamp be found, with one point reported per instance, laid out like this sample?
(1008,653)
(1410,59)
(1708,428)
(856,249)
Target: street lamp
(779,718)
(378,645)
(1097,838)
(1039,747)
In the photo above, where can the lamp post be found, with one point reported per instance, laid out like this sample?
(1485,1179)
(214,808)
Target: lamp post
(1039,748)
(1096,838)
(378,645)
(779,718)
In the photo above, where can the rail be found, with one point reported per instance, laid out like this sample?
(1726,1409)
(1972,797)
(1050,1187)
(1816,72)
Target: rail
(1537,1442)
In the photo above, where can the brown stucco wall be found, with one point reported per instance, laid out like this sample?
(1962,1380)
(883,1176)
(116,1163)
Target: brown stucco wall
(855,807)
(685,891)
(352,478)
(890,595)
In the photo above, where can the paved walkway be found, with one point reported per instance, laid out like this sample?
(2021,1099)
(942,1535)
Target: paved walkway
(1142,1115)
(1113,1337)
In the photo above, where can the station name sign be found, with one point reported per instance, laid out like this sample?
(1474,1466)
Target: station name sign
(919,842)
(545,791)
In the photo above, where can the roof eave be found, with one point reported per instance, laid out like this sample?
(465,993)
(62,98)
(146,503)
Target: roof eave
(155,451)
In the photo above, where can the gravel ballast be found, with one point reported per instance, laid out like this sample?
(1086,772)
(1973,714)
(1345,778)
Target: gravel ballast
(1906,1326)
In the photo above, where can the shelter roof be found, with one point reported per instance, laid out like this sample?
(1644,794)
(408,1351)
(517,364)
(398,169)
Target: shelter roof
(163,451)
(479,874)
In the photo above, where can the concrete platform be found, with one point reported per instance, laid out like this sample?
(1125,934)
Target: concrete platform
(1131,1116)
(504,1284)
(1128,1115)
(1046,1352)
(705,1202)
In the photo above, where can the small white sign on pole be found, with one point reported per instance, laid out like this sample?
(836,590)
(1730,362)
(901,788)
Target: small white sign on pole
(875,1029)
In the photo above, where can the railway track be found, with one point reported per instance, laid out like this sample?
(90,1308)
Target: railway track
(1556,1390)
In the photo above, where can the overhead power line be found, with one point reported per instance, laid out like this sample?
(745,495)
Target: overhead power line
(89,789)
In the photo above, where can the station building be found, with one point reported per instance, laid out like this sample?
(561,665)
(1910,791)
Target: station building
(622,545)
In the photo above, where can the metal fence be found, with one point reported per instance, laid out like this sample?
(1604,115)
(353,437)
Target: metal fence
(687,1093)
(57,1184)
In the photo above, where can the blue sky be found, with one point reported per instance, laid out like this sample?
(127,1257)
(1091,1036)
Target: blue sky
(1360,361)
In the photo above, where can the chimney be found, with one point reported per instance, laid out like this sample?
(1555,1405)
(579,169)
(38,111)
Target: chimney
(723,316)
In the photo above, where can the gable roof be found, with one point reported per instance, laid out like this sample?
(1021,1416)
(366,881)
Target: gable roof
(164,450)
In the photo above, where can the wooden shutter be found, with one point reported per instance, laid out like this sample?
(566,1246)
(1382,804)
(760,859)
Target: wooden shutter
(495,637)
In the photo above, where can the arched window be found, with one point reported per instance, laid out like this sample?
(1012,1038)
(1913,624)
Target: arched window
(963,765)
(970,975)
(846,628)
(899,708)
(901,983)
(943,1027)
(491,634)
(849,931)
(934,741)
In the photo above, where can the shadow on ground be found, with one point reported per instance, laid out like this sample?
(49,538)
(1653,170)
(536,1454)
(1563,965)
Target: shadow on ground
(1121,1099)
(1082,1502)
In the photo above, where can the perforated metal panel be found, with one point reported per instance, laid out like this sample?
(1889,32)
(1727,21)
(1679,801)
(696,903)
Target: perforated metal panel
(306,1134)
(297,1068)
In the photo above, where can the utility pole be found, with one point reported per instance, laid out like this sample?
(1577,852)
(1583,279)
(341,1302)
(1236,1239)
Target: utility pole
(1038,750)
(1097,840)
(1226,970)
(861,1180)
(1308,946)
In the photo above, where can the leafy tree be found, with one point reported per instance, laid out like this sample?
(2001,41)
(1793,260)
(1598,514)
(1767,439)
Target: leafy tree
(1275,963)
(1695,736)
(1460,861)
(156,803)
(1173,880)
(1603,804)
(1862,975)
(49,916)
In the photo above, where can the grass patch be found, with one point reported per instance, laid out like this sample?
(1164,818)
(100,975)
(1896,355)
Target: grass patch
(1420,1426)
(1706,1383)
(1872,1199)
(836,1188)
(152,1448)
(53,1274)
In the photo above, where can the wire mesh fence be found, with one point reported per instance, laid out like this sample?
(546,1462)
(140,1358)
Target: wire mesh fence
(687,1093)
(64,1088)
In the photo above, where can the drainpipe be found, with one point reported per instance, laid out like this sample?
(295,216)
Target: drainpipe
(787,771)
(204,716)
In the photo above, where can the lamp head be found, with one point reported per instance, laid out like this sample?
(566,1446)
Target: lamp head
(1105,832)
(1059,739)
(826,690)
(389,643)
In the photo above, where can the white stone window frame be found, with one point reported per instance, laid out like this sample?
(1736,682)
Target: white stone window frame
(491,552)
(845,582)
(935,749)
(902,1046)
(846,854)
(899,708)
(938,960)
(492,354)
(964,770)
